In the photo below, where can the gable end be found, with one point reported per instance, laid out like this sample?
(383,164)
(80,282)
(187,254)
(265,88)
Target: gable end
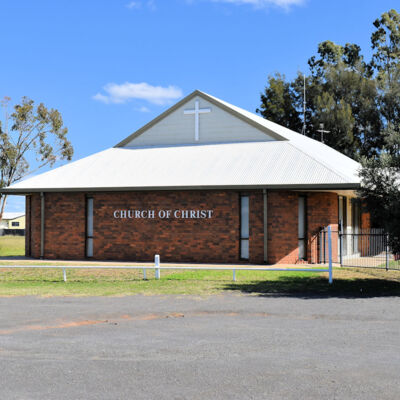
(269,133)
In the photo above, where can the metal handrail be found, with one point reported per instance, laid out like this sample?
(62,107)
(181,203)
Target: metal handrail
(157,267)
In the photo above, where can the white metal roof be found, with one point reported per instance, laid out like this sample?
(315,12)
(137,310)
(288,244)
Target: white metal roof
(12,215)
(325,154)
(291,161)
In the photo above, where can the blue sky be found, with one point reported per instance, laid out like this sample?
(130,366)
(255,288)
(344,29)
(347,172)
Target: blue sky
(110,66)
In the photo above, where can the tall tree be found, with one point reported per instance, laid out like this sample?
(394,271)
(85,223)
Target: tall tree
(359,103)
(386,62)
(341,94)
(278,103)
(381,174)
(33,137)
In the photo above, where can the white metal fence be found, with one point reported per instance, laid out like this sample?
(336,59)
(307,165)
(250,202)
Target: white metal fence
(157,267)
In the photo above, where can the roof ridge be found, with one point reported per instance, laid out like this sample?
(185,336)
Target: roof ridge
(287,135)
(320,162)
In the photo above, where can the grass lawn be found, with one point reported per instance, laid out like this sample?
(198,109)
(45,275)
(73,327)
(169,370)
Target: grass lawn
(393,264)
(12,246)
(102,282)
(49,282)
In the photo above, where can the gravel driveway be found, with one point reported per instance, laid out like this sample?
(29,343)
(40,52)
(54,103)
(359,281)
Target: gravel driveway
(220,347)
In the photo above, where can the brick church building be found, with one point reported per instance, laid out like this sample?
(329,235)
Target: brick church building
(203,182)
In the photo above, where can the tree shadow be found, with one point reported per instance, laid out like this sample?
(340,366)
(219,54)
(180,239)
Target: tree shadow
(318,287)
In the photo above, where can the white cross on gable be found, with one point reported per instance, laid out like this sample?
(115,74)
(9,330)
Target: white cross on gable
(197,111)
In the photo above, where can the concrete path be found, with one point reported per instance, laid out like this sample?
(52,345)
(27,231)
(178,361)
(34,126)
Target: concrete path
(221,347)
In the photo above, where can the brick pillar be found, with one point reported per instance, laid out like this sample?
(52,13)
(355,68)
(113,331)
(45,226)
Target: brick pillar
(256,221)
(322,211)
(283,227)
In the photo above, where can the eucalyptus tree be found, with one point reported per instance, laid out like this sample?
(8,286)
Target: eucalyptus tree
(381,173)
(359,103)
(341,94)
(279,103)
(31,138)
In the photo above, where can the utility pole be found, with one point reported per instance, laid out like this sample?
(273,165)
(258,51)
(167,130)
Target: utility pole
(303,130)
(4,104)
(322,131)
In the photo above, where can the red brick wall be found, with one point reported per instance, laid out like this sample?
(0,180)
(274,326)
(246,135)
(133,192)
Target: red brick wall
(65,220)
(282,227)
(256,225)
(322,211)
(179,240)
(64,225)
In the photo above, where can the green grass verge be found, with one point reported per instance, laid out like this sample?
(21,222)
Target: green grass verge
(49,282)
(12,246)
(103,282)
(393,264)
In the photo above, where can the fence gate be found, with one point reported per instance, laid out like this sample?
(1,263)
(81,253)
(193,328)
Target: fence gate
(365,248)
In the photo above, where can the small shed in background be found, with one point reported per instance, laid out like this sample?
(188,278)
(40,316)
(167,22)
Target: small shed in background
(12,223)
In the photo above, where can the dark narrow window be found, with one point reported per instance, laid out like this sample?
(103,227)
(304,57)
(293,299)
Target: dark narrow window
(343,213)
(14,223)
(244,227)
(302,227)
(343,223)
(89,227)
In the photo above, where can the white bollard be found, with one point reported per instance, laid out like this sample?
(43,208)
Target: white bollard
(65,275)
(234,275)
(157,265)
(144,274)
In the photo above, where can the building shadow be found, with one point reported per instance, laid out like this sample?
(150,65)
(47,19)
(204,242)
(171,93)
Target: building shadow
(318,287)
(15,258)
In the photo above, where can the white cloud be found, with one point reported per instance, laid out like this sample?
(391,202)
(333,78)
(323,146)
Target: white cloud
(264,3)
(143,109)
(150,4)
(124,92)
(134,4)
(101,97)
